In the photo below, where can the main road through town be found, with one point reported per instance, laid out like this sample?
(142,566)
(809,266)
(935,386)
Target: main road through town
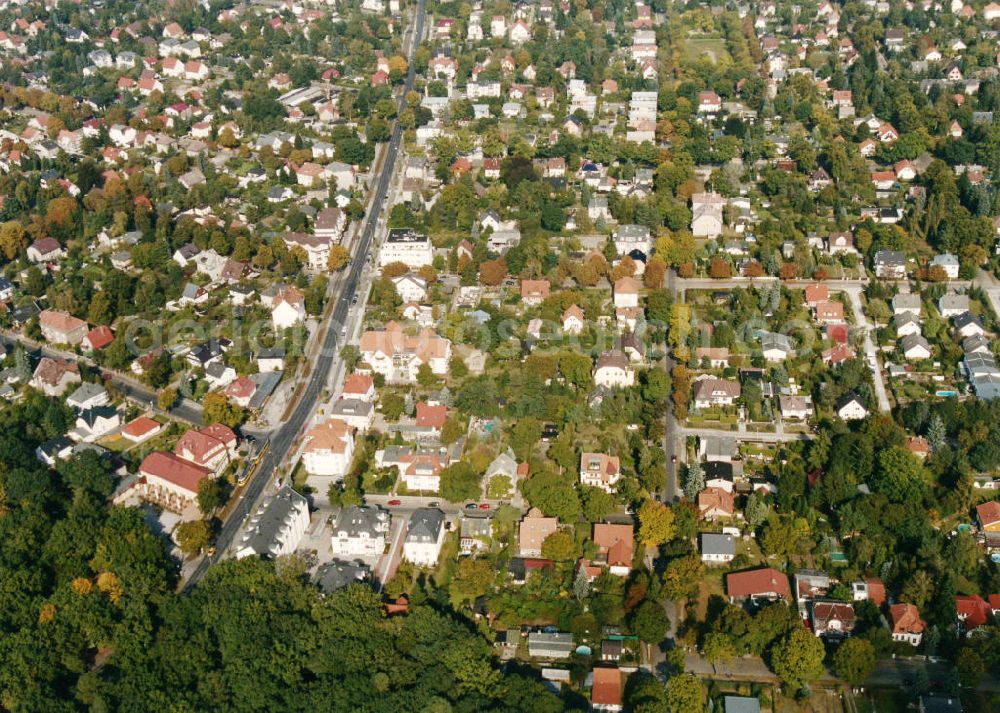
(281,439)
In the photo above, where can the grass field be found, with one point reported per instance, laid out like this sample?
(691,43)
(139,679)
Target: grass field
(713,49)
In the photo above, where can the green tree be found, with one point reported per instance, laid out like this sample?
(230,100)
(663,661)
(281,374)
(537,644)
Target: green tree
(193,536)
(460,482)
(650,622)
(798,658)
(166,398)
(425,376)
(694,480)
(597,504)
(553,494)
(473,578)
(684,694)
(681,576)
(854,660)
(211,495)
(756,510)
(559,546)
(216,408)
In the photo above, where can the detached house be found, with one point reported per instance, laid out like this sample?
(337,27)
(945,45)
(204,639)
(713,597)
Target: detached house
(397,355)
(61,328)
(424,537)
(907,626)
(716,392)
(328,449)
(766,584)
(598,470)
(53,376)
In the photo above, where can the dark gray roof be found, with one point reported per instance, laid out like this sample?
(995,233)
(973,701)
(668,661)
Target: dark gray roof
(336,575)
(717,544)
(425,525)
(268,525)
(356,519)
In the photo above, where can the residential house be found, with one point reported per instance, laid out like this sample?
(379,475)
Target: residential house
(424,537)
(615,546)
(170,481)
(715,392)
(542,645)
(706,215)
(890,265)
(88,395)
(613,370)
(833,619)
(795,407)
(277,527)
(849,407)
(328,449)
(717,548)
(94,423)
(405,246)
(947,263)
(907,626)
(717,357)
(715,504)
(397,355)
(607,689)
(532,531)
(359,531)
(97,338)
(969,325)
(952,305)
(410,287)
(53,376)
(599,470)
(766,584)
(288,308)
(212,447)
(141,429)
(61,328)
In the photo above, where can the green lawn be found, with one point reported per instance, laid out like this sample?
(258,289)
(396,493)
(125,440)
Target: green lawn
(713,49)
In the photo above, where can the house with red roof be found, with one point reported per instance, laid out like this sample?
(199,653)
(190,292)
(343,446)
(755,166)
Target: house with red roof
(170,481)
(907,626)
(97,338)
(210,448)
(973,612)
(241,391)
(431,418)
(606,692)
(765,583)
(140,429)
(615,546)
(359,386)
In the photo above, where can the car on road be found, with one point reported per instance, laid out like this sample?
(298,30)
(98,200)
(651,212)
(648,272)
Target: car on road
(673,458)
(434,504)
(484,506)
(343,331)
(395,503)
(471,506)
(354,300)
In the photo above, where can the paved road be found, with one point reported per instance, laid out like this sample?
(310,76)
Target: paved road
(988,284)
(860,320)
(185,410)
(706,283)
(750,436)
(671,447)
(282,438)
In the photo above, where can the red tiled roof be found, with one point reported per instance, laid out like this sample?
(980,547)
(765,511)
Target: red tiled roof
(906,619)
(140,427)
(972,610)
(989,513)
(169,467)
(758,582)
(607,688)
(431,416)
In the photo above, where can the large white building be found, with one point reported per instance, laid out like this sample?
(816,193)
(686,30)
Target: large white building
(329,448)
(424,537)
(359,531)
(397,356)
(277,527)
(405,246)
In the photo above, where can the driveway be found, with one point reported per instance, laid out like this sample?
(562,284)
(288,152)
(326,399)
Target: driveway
(854,293)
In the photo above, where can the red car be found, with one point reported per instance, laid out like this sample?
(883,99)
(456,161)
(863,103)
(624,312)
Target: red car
(484,506)
(395,503)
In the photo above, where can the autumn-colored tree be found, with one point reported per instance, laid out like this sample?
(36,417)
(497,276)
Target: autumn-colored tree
(586,273)
(656,523)
(492,272)
(217,409)
(624,268)
(60,215)
(338,258)
(686,270)
(788,271)
(428,273)
(719,269)
(193,536)
(656,269)
(821,273)
(395,269)
(166,398)
(937,273)
(13,239)
(753,269)
(227,138)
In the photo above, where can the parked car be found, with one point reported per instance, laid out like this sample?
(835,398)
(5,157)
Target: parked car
(395,503)
(484,506)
